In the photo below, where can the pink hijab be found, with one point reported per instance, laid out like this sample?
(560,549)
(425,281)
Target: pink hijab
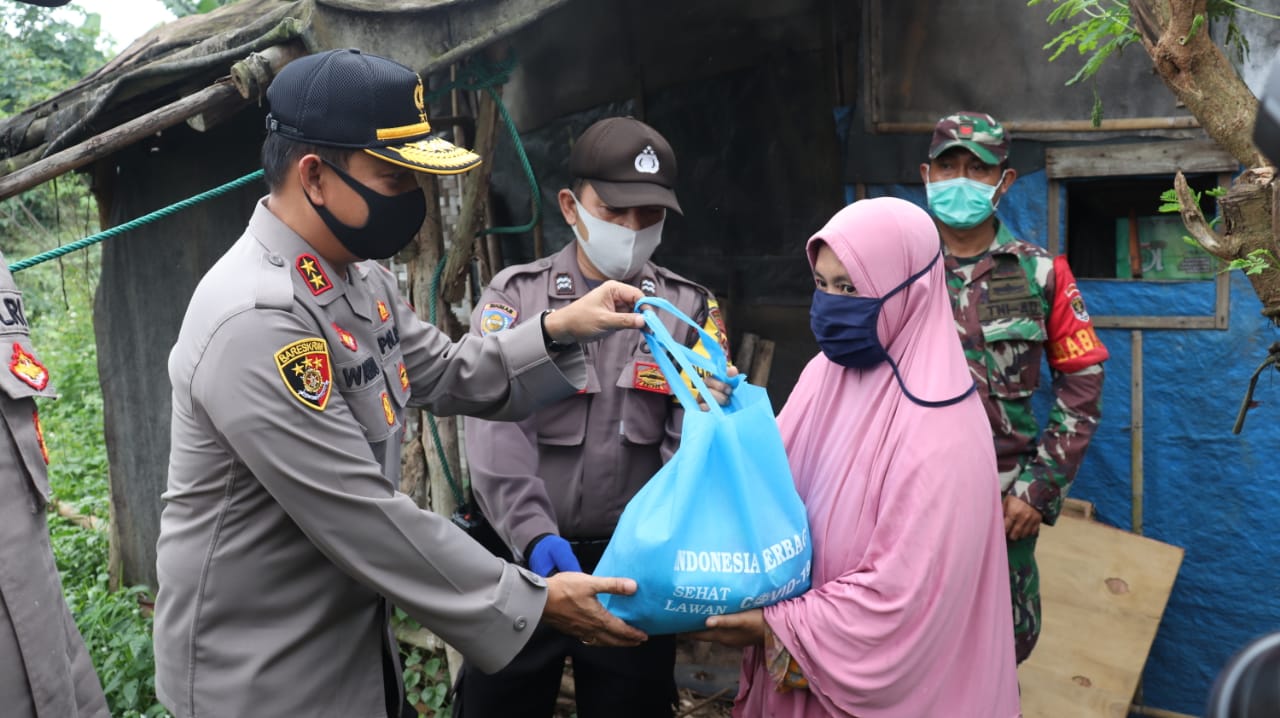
(909,614)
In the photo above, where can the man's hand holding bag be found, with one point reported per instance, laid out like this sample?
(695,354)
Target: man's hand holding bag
(719,529)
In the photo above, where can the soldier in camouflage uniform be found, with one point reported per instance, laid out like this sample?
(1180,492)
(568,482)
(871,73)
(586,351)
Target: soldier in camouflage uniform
(1013,302)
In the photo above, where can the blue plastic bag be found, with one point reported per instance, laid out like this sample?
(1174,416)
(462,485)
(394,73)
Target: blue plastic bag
(719,529)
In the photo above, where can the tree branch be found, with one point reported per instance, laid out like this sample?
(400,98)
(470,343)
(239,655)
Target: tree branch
(1194,219)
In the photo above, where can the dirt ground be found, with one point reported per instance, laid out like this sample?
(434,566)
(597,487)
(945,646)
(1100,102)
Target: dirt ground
(706,676)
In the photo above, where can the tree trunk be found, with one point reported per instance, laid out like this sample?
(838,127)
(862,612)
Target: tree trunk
(1198,73)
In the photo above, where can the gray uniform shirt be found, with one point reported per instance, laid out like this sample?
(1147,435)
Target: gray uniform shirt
(45,670)
(282,531)
(572,467)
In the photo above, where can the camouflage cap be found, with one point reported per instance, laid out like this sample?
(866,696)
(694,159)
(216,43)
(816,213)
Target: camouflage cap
(975,131)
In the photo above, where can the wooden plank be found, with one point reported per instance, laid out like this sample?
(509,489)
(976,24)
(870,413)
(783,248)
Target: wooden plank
(1148,158)
(1078,508)
(1103,592)
(1149,322)
(746,352)
(762,365)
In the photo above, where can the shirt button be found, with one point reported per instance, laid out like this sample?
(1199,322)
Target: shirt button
(276,260)
(521,623)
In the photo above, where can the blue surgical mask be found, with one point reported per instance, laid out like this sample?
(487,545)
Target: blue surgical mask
(845,328)
(961,202)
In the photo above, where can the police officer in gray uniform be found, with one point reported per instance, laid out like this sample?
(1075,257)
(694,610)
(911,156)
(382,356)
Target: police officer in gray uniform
(45,670)
(554,485)
(283,541)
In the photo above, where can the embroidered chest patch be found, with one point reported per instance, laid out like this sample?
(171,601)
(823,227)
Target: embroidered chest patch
(304,366)
(345,337)
(26,367)
(387,410)
(383,313)
(311,271)
(404,377)
(496,317)
(649,377)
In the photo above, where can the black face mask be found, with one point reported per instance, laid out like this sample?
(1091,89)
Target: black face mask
(391,224)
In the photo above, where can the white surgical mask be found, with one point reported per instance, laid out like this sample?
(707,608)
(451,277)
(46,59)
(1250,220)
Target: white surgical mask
(616,251)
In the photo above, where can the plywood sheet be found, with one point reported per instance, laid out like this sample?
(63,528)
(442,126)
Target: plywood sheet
(1103,591)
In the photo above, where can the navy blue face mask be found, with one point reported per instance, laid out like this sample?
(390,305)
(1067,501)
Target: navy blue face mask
(845,328)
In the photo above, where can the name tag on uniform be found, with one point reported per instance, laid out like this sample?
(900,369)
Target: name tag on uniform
(1009,297)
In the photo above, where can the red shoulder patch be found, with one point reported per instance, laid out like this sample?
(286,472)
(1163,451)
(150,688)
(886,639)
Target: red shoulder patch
(312,271)
(27,368)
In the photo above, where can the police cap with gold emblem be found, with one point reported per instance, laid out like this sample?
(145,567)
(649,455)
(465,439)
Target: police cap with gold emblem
(347,98)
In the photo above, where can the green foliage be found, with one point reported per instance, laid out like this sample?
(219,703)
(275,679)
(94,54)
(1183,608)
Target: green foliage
(182,8)
(1255,262)
(1101,28)
(1098,29)
(426,676)
(116,630)
(43,54)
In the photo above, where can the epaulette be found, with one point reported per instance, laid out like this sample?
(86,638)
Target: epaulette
(273,284)
(503,278)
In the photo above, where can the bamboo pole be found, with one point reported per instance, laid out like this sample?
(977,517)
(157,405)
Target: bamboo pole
(118,138)
(249,78)
(475,190)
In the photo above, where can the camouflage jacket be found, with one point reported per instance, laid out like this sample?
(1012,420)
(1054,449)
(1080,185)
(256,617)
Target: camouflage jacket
(1002,303)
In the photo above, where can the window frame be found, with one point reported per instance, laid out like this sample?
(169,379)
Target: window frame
(1098,161)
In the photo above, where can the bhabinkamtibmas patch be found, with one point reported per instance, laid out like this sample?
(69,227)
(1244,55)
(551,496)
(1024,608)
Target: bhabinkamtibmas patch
(308,375)
(496,317)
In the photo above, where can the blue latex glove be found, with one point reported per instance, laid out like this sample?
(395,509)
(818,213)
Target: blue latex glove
(551,554)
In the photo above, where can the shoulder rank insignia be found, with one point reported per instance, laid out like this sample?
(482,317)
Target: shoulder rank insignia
(383,313)
(345,337)
(304,366)
(648,287)
(311,271)
(27,368)
(387,411)
(649,378)
(564,284)
(496,317)
(44,450)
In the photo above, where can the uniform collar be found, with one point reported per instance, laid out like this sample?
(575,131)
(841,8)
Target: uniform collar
(1004,239)
(566,281)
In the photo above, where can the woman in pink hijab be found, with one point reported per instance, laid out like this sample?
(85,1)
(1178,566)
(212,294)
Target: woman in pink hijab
(909,614)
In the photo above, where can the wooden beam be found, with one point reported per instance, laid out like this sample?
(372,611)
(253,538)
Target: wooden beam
(249,78)
(118,138)
(1146,158)
(1125,124)
(1149,322)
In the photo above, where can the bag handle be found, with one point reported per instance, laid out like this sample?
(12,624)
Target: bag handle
(715,362)
(665,348)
